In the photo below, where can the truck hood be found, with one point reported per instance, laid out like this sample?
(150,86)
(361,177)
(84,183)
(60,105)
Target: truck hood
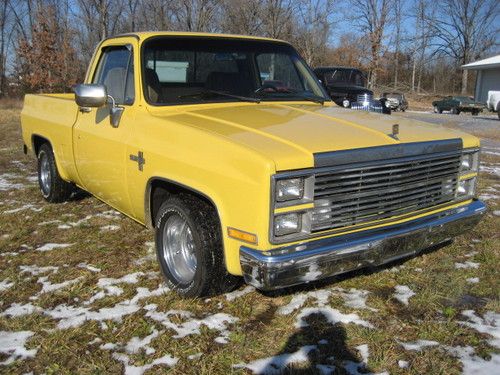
(290,134)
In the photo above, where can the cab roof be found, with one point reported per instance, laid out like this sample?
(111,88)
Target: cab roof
(143,35)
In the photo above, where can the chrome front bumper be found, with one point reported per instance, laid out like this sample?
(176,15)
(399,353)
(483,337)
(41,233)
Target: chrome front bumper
(314,260)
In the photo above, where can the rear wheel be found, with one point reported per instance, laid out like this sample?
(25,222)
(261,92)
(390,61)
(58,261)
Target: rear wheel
(455,111)
(438,110)
(475,113)
(53,188)
(189,248)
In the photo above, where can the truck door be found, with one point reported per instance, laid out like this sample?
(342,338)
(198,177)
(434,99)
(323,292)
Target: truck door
(100,149)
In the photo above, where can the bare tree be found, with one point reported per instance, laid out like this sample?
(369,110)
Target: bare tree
(314,22)
(466,30)
(277,19)
(197,15)
(397,41)
(243,16)
(372,16)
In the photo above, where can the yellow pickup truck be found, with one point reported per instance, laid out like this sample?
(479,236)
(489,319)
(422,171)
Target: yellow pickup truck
(231,150)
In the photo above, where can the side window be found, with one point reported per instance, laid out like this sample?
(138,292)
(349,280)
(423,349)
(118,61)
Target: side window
(116,71)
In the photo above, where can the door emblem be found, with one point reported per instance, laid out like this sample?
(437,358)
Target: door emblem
(139,158)
(395,131)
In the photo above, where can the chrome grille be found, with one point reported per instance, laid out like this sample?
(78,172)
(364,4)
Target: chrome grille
(359,195)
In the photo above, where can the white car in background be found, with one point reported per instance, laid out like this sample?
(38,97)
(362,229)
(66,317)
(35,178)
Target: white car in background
(493,102)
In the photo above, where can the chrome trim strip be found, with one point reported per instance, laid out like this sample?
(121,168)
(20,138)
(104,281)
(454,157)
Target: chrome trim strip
(363,155)
(318,259)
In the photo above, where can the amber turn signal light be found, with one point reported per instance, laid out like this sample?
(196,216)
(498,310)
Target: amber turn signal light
(242,236)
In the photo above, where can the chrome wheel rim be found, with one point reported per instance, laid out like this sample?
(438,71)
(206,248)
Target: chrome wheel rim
(45,175)
(178,249)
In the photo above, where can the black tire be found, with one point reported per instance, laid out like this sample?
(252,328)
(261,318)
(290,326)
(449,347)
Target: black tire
(475,113)
(53,188)
(455,111)
(210,274)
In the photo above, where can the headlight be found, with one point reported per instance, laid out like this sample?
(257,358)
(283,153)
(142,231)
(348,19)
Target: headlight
(291,189)
(469,162)
(287,224)
(466,188)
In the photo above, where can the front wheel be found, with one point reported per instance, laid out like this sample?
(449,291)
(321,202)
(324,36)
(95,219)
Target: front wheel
(189,248)
(53,188)
(455,111)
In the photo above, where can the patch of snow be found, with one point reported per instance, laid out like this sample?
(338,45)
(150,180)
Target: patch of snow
(355,298)
(6,184)
(52,246)
(166,360)
(296,303)
(484,197)
(109,228)
(364,352)
(23,208)
(16,310)
(239,293)
(108,346)
(110,214)
(277,363)
(64,226)
(496,213)
(35,270)
(473,364)
(473,280)
(403,364)
(71,316)
(321,296)
(150,254)
(49,222)
(48,287)
(13,344)
(418,345)
(5,284)
(191,325)
(488,324)
(193,357)
(88,267)
(471,254)
(403,294)
(333,316)
(466,265)
(136,344)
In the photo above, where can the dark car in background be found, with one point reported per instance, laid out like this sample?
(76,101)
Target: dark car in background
(343,84)
(347,88)
(457,104)
(396,101)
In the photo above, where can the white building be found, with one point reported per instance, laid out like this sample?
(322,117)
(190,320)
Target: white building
(488,77)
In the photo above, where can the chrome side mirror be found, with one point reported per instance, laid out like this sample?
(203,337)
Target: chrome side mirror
(91,95)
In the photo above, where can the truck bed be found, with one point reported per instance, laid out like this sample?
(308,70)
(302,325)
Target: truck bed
(51,116)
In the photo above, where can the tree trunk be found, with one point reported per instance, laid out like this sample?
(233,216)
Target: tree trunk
(465,74)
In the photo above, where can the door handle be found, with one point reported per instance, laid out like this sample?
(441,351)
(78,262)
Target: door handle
(85,109)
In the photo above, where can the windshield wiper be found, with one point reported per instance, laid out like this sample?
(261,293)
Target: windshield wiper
(314,99)
(221,93)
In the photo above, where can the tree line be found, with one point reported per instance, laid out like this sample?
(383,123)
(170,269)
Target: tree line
(408,45)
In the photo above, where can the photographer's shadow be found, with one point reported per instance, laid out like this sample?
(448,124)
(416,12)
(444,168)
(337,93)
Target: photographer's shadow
(324,346)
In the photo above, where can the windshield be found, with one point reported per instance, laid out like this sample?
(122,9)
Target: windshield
(344,77)
(463,99)
(187,70)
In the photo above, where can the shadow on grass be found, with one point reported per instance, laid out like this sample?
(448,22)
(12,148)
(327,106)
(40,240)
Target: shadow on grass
(324,345)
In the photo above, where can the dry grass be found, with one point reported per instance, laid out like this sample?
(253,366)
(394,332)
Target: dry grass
(442,293)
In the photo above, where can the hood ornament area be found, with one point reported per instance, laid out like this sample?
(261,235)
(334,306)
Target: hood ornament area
(395,132)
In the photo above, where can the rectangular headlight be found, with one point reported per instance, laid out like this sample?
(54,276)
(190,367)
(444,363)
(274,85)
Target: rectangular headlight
(287,224)
(469,162)
(291,189)
(466,188)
